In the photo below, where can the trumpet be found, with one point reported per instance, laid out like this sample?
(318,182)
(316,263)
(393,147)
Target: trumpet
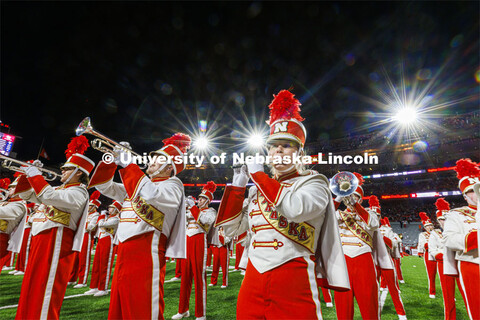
(8,163)
(102,143)
(344,184)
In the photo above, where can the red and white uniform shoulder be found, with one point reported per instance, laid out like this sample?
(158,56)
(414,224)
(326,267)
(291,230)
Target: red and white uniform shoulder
(206,218)
(357,231)
(459,225)
(151,205)
(92,221)
(435,243)
(11,213)
(422,240)
(64,205)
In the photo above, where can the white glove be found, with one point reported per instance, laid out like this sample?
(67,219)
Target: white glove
(240,177)
(38,163)
(189,201)
(255,167)
(101,223)
(339,199)
(189,215)
(32,171)
(123,158)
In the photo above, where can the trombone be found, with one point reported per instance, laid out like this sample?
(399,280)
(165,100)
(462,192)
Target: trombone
(102,143)
(8,163)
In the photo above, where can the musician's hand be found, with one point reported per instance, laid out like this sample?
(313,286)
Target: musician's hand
(190,202)
(339,199)
(240,177)
(255,167)
(32,171)
(101,223)
(38,163)
(123,158)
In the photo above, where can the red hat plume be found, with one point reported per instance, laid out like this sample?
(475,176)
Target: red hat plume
(442,205)
(210,186)
(180,140)
(284,106)
(4,183)
(359,177)
(77,145)
(387,221)
(373,201)
(423,216)
(95,195)
(467,168)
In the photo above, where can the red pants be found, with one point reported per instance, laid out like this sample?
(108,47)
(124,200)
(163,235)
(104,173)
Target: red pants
(22,257)
(394,290)
(137,286)
(9,259)
(431,267)
(102,264)
(193,269)
(448,292)
(287,292)
(364,287)
(238,254)
(221,258)
(327,297)
(84,258)
(470,280)
(74,273)
(46,276)
(4,237)
(178,268)
(209,255)
(398,268)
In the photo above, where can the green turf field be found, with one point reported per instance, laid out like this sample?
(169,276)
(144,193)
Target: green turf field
(221,303)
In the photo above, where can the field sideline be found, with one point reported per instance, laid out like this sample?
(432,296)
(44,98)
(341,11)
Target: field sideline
(221,303)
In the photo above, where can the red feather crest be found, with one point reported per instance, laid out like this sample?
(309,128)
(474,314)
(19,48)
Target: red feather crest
(284,106)
(373,201)
(423,216)
(467,168)
(180,140)
(210,186)
(4,183)
(441,204)
(95,195)
(382,222)
(387,221)
(77,145)
(359,177)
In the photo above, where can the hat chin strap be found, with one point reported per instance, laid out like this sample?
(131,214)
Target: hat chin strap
(159,170)
(71,175)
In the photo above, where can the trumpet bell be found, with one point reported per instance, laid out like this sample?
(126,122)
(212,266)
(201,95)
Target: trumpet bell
(84,126)
(343,184)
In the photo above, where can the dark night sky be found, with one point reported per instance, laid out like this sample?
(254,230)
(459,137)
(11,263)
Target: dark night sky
(141,70)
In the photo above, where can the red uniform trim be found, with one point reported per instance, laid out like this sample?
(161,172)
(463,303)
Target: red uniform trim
(439,257)
(269,187)
(195,212)
(336,204)
(471,241)
(38,184)
(22,184)
(131,177)
(231,204)
(362,212)
(388,242)
(103,173)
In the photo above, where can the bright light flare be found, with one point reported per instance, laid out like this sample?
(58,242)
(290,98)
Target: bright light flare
(201,143)
(256,140)
(406,115)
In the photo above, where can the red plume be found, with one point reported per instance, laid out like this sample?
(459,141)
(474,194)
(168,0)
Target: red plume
(77,145)
(180,140)
(387,221)
(4,183)
(441,204)
(382,222)
(359,177)
(423,216)
(373,201)
(467,168)
(284,106)
(210,186)
(95,195)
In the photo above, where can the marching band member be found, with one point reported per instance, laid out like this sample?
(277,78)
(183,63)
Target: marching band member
(22,258)
(292,222)
(430,264)
(461,236)
(239,248)
(200,218)
(104,253)
(436,248)
(56,233)
(221,258)
(357,231)
(84,257)
(151,227)
(12,220)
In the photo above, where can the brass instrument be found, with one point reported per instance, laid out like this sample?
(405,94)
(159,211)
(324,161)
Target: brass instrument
(8,162)
(344,184)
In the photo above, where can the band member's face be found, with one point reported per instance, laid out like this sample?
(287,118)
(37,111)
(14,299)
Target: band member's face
(91,208)
(429,228)
(111,211)
(471,198)
(154,166)
(66,172)
(202,202)
(285,149)
(10,191)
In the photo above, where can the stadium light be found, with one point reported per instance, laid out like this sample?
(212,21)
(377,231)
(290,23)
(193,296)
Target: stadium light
(406,115)
(255,140)
(201,143)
